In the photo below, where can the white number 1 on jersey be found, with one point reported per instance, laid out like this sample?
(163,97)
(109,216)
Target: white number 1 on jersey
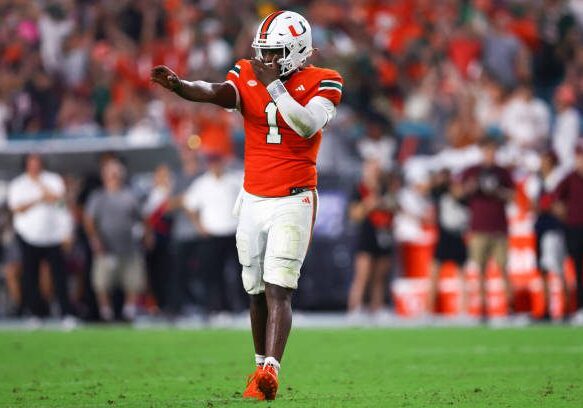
(273,136)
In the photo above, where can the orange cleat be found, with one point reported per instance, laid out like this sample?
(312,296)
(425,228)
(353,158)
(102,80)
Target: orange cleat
(267,382)
(252,390)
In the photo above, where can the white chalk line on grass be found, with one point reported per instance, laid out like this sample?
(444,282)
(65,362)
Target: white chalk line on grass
(240,321)
(484,349)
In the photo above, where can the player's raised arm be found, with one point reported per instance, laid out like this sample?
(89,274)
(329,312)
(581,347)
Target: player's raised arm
(222,94)
(304,120)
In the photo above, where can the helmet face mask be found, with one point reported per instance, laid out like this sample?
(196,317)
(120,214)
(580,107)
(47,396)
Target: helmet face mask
(268,54)
(288,32)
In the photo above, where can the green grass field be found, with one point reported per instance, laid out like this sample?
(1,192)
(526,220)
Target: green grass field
(473,367)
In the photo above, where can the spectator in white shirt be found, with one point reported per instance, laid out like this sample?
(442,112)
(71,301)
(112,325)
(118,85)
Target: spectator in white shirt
(42,225)
(567,126)
(210,201)
(525,119)
(416,210)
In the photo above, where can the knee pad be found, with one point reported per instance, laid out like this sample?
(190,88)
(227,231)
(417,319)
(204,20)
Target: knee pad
(243,249)
(282,272)
(288,241)
(251,273)
(287,247)
(252,280)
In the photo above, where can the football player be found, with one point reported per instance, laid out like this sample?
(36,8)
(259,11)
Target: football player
(285,104)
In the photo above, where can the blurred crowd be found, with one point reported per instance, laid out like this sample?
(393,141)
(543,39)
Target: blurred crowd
(101,247)
(449,71)
(446,105)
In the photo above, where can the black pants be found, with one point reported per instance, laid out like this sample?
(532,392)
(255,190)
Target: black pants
(184,267)
(220,270)
(87,308)
(574,237)
(159,265)
(31,258)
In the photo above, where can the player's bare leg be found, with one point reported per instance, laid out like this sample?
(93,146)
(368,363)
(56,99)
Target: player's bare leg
(258,314)
(279,321)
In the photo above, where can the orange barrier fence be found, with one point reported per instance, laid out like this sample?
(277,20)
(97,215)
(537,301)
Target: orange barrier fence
(410,292)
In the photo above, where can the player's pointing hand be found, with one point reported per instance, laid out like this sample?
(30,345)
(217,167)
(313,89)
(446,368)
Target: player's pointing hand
(266,72)
(164,76)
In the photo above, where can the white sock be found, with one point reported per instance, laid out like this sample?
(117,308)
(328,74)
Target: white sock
(129,311)
(272,362)
(259,359)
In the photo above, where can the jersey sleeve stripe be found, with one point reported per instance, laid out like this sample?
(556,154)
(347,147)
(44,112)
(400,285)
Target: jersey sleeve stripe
(330,88)
(331,84)
(235,71)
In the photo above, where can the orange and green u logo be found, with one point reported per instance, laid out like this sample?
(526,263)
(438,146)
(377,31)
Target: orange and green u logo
(293,31)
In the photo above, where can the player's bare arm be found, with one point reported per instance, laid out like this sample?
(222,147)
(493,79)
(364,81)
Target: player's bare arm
(222,94)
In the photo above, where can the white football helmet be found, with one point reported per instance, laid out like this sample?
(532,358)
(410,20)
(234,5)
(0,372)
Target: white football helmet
(288,31)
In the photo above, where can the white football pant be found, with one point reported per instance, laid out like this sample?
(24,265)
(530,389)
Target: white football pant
(273,236)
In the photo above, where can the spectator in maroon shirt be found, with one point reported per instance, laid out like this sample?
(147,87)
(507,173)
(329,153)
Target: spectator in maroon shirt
(569,197)
(488,188)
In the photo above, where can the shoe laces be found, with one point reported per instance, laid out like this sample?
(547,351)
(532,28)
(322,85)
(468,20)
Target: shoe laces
(271,369)
(252,376)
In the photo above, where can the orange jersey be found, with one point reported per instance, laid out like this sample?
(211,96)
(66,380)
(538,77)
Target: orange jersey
(277,159)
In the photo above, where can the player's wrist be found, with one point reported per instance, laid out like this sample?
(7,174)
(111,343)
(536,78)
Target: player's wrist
(177,86)
(276,89)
